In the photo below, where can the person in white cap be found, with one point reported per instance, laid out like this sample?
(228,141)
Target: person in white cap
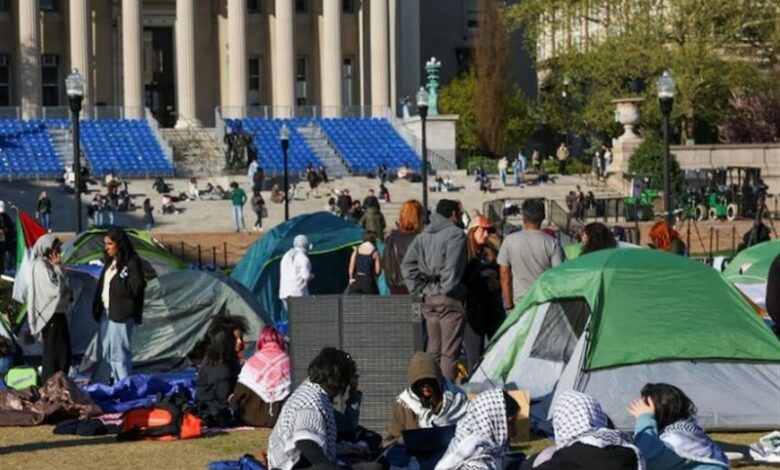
(295,270)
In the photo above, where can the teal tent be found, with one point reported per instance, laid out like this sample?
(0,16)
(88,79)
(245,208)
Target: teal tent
(332,240)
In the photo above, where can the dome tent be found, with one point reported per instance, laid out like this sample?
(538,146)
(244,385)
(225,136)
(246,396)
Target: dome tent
(87,247)
(332,240)
(749,270)
(607,323)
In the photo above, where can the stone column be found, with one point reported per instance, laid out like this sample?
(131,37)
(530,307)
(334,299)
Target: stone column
(379,58)
(393,25)
(331,58)
(132,65)
(237,60)
(30,58)
(185,64)
(284,60)
(80,56)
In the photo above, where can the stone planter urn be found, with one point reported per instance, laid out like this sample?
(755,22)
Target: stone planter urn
(627,113)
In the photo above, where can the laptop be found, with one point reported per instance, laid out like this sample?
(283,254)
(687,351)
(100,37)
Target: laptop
(428,441)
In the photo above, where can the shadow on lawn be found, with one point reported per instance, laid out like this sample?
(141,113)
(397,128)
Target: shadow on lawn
(51,445)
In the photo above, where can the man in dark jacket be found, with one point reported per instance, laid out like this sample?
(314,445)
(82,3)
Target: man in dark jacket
(344,203)
(370,200)
(433,267)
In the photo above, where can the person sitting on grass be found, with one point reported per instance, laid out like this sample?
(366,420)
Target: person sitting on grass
(305,433)
(482,436)
(264,382)
(429,401)
(667,433)
(584,439)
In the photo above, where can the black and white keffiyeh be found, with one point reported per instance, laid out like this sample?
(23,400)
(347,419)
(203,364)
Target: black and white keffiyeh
(481,436)
(579,418)
(453,407)
(306,416)
(688,440)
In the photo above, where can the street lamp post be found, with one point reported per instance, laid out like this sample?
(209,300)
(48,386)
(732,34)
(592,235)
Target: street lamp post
(666,89)
(74,84)
(422,109)
(565,96)
(284,138)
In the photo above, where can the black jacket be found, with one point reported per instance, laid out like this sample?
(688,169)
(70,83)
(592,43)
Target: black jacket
(396,245)
(585,457)
(126,293)
(773,292)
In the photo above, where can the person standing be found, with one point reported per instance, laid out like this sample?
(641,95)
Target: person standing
(374,221)
(97,210)
(118,305)
(536,160)
(410,222)
(526,254)
(258,207)
(518,168)
(109,207)
(7,240)
(563,156)
(344,202)
(365,266)
(433,267)
(238,199)
(484,310)
(295,271)
(43,211)
(48,301)
(148,215)
(370,200)
(503,163)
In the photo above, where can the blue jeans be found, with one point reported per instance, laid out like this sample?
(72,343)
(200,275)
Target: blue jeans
(98,218)
(502,174)
(110,217)
(115,341)
(45,219)
(238,216)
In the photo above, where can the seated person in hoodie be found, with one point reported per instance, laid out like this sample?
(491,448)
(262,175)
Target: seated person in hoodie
(667,432)
(482,436)
(429,401)
(583,439)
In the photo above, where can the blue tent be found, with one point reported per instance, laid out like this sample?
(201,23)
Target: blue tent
(332,240)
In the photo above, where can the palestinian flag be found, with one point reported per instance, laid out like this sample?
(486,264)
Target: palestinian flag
(28,231)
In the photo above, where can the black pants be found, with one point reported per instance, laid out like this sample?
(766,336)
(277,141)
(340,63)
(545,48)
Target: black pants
(259,222)
(56,346)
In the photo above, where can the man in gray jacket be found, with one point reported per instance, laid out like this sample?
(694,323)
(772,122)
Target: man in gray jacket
(433,268)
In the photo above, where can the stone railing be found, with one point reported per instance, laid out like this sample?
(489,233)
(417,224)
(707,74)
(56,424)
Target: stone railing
(763,156)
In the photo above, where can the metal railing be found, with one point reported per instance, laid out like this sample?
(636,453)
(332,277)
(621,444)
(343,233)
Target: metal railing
(310,112)
(167,150)
(63,112)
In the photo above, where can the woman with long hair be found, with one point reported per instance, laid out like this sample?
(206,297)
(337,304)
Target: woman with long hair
(410,223)
(264,382)
(665,238)
(484,306)
(218,371)
(597,236)
(118,305)
(667,433)
(48,301)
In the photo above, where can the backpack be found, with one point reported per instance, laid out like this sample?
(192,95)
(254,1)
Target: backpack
(168,419)
(21,377)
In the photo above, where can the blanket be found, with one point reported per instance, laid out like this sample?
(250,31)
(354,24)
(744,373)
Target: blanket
(141,390)
(58,399)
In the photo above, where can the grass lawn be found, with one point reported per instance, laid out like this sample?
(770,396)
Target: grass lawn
(37,447)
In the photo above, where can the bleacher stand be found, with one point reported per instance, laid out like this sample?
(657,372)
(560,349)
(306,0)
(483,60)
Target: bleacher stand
(27,151)
(265,135)
(363,143)
(367,143)
(127,147)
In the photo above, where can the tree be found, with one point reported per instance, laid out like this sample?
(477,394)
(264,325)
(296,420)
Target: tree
(648,160)
(712,47)
(754,119)
(458,97)
(491,89)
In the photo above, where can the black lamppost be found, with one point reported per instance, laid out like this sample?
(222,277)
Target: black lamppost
(666,89)
(565,96)
(422,110)
(284,138)
(74,85)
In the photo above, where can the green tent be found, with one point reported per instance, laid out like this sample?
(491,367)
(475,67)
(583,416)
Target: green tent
(607,323)
(332,240)
(751,265)
(87,247)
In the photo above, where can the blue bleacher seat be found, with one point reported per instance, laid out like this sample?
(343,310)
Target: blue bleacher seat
(127,147)
(27,151)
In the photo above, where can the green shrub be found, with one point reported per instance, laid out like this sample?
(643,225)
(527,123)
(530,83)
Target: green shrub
(648,160)
(577,167)
(489,164)
(551,166)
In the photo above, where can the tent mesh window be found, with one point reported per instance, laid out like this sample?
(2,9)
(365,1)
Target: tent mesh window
(562,327)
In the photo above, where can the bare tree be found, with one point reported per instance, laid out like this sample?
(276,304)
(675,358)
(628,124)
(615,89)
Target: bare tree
(492,86)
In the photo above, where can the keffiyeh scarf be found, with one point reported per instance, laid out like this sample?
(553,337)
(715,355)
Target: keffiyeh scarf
(579,418)
(306,416)
(689,441)
(267,373)
(453,407)
(481,436)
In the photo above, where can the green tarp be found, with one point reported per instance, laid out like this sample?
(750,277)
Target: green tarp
(651,306)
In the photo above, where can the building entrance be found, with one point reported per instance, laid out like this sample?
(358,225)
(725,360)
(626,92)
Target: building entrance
(159,79)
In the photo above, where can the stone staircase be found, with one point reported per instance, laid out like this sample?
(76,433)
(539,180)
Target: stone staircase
(319,144)
(196,152)
(63,145)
